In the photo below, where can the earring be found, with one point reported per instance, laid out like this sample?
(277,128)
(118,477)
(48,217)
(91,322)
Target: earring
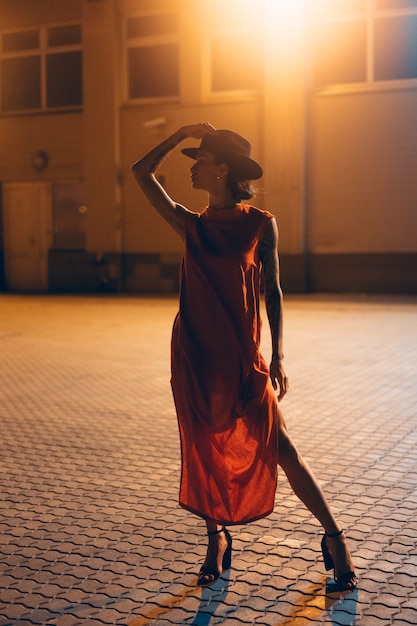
(217,177)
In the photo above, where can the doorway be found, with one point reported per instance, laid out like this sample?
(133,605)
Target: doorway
(27,216)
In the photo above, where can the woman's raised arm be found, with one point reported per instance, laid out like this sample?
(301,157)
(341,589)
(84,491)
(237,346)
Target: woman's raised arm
(145,169)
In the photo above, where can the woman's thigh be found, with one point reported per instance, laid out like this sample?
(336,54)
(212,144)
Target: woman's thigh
(286,446)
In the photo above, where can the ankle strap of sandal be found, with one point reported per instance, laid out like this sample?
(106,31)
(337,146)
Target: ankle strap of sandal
(340,532)
(216,532)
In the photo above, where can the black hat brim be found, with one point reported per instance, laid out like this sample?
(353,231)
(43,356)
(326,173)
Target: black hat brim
(242,167)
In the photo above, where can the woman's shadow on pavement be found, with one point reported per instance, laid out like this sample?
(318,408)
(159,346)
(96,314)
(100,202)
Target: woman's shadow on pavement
(211,599)
(339,606)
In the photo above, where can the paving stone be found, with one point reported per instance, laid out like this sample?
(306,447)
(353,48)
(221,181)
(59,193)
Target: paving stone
(83,611)
(379,612)
(8,596)
(14,611)
(408,614)
(89,586)
(67,620)
(408,569)
(91,532)
(411,602)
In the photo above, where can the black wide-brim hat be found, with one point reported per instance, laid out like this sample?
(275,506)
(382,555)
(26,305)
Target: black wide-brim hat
(232,149)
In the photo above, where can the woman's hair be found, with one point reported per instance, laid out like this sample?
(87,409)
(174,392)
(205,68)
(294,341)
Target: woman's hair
(239,189)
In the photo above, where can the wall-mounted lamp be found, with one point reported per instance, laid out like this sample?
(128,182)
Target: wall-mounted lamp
(40,161)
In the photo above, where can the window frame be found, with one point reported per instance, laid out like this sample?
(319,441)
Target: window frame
(146,41)
(43,50)
(370,15)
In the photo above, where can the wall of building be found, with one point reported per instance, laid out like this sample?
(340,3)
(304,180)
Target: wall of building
(144,231)
(339,164)
(22,136)
(362,190)
(33,12)
(362,168)
(60,136)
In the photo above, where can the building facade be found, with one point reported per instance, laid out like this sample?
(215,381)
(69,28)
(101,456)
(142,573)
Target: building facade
(326,90)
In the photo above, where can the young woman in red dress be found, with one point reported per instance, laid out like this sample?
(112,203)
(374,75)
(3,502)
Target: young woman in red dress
(233,434)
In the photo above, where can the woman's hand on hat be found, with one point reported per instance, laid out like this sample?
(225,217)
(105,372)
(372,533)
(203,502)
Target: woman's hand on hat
(198,131)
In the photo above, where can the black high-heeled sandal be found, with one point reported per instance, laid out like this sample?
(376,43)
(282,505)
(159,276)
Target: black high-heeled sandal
(345,582)
(208,575)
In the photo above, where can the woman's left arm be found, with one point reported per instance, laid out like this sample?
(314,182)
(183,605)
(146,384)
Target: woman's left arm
(268,251)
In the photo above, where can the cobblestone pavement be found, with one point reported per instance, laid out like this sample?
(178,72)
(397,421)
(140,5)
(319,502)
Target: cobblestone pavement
(90,529)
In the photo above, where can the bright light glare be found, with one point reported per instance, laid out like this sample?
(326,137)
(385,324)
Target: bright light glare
(287,16)
(287,10)
(279,23)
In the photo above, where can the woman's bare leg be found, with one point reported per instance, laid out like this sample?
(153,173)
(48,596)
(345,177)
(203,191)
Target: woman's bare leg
(306,487)
(217,546)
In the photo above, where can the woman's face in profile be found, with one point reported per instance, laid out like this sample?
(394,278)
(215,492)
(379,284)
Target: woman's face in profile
(205,171)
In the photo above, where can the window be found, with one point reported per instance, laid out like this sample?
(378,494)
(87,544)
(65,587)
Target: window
(235,56)
(21,83)
(365,41)
(26,40)
(41,69)
(153,56)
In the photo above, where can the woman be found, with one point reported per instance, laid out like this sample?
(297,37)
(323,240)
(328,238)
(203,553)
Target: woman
(233,434)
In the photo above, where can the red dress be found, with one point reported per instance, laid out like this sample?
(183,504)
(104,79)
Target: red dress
(226,406)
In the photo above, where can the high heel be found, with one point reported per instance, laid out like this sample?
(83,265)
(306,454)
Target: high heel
(345,582)
(208,575)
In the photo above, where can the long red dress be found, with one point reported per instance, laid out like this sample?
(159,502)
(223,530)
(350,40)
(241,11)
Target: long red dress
(226,406)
